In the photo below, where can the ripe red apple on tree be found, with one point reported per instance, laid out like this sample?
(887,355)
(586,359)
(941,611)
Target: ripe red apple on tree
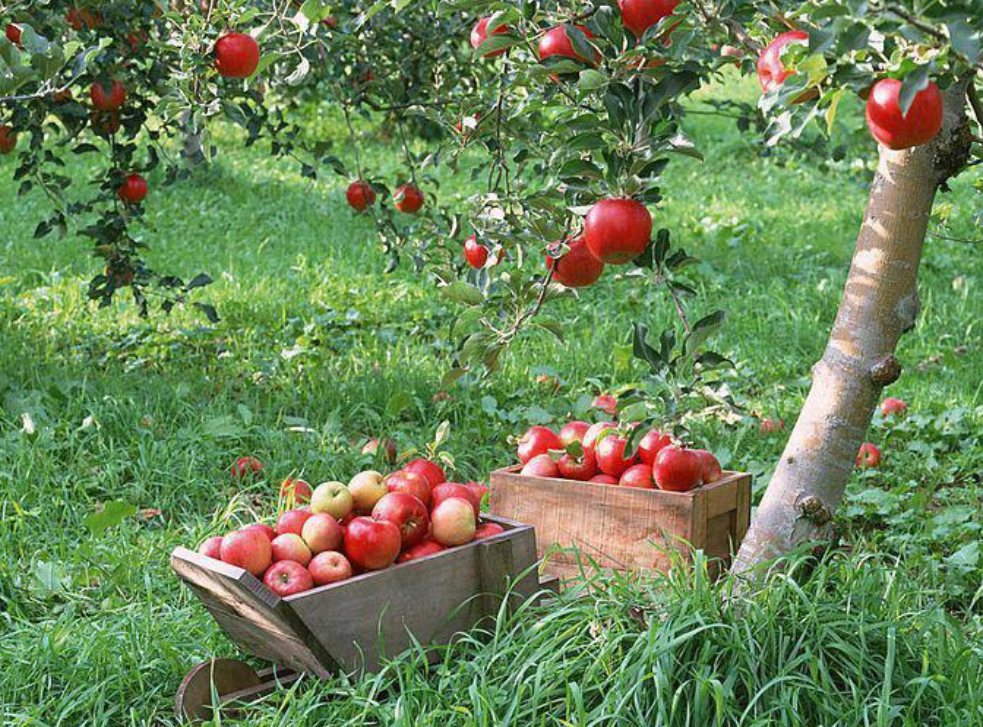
(212,547)
(133,190)
(542,465)
(893,407)
(372,544)
(299,490)
(406,512)
(651,444)
(475,253)
(611,455)
(290,546)
(771,71)
(537,440)
(640,15)
(412,483)
(447,490)
(578,268)
(677,469)
(246,466)
(333,498)
(329,567)
(236,55)
(248,549)
(487,530)
(556,42)
(107,100)
(453,522)
(269,532)
(710,468)
(420,550)
(431,471)
(479,33)
(617,230)
(80,19)
(8,139)
(367,489)
(360,195)
(868,456)
(322,532)
(104,123)
(577,468)
(639,476)
(287,577)
(408,198)
(573,432)
(292,521)
(896,130)
(13,33)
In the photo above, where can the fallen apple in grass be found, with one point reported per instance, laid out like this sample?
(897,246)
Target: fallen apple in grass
(246,466)
(333,498)
(322,532)
(868,456)
(893,407)
(329,567)
(248,549)
(299,490)
(291,547)
(287,577)
(453,522)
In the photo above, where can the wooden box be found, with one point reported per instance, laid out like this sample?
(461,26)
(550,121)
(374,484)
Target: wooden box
(352,625)
(623,528)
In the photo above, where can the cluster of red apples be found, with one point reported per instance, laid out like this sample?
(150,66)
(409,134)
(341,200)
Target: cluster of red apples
(599,453)
(335,531)
(407,198)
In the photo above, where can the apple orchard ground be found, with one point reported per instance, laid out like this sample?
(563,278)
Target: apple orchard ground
(316,349)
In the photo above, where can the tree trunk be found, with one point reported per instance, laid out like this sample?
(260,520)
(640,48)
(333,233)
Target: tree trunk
(192,149)
(880,303)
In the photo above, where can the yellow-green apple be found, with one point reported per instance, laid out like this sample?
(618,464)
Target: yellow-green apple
(367,489)
(333,498)
(287,577)
(453,522)
(329,567)
(322,532)
(290,547)
(249,549)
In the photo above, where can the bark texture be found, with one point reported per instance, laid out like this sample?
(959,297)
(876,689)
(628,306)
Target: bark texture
(880,303)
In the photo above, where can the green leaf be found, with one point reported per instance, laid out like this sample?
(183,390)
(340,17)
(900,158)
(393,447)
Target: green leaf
(914,82)
(703,329)
(965,39)
(551,325)
(462,292)
(111,515)
(966,558)
(398,403)
(591,80)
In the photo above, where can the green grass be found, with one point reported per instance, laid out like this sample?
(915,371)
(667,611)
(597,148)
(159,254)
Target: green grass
(317,350)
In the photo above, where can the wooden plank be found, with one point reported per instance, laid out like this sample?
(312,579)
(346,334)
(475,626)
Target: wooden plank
(742,510)
(250,614)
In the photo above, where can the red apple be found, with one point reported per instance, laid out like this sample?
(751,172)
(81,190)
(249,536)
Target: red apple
(478,490)
(292,521)
(322,532)
(868,456)
(573,432)
(556,42)
(333,498)
(360,195)
(577,468)
(8,139)
(13,32)
(299,490)
(109,100)
(475,253)
(603,479)
(287,577)
(611,455)
(577,268)
(542,465)
(710,470)
(412,483)
(617,230)
(891,407)
(236,55)
(537,440)
(897,130)
(408,198)
(677,469)
(212,547)
(406,512)
(771,71)
(388,447)
(291,547)
(487,530)
(480,32)
(133,190)
(246,466)
(638,475)
(269,532)
(372,544)
(651,444)
(640,15)
(769,425)
(430,470)
(104,123)
(367,489)
(420,550)
(453,522)
(329,567)
(606,403)
(595,431)
(447,490)
(248,549)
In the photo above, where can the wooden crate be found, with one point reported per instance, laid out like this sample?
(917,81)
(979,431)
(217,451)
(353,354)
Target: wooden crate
(352,625)
(623,528)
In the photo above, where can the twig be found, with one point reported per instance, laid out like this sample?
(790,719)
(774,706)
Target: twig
(974,102)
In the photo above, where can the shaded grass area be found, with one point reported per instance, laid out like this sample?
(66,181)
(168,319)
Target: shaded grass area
(317,350)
